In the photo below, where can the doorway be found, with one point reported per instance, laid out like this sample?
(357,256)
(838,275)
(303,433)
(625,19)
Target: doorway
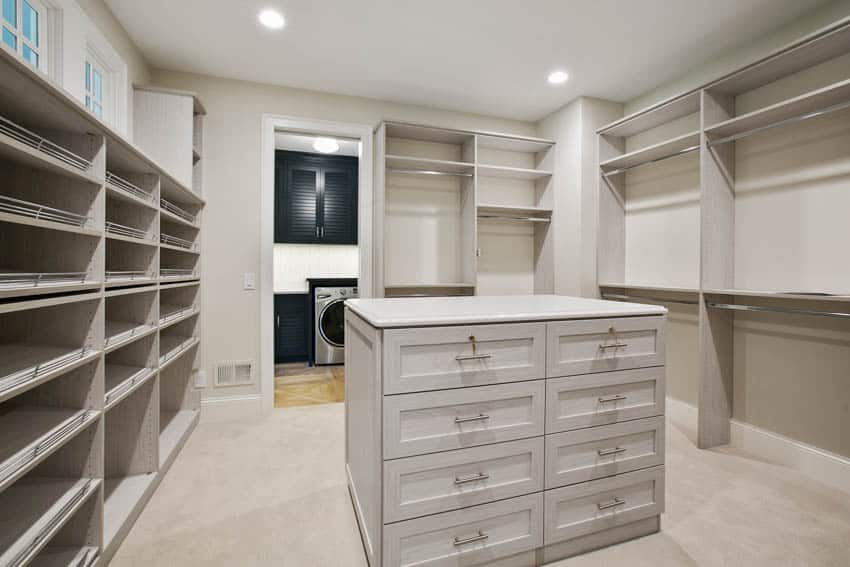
(316,253)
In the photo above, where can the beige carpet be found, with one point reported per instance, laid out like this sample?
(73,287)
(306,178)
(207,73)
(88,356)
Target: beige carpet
(272,492)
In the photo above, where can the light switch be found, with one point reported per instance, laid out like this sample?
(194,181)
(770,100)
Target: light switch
(249,280)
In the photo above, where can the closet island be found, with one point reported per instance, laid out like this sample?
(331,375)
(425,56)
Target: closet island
(504,430)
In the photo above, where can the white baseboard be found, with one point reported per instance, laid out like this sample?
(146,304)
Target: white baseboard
(231,408)
(822,466)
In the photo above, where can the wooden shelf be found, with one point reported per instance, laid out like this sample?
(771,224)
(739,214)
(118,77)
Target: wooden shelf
(514,143)
(837,298)
(122,380)
(168,216)
(175,427)
(656,115)
(42,507)
(810,102)
(166,286)
(179,249)
(118,281)
(122,333)
(435,285)
(25,365)
(512,172)
(425,164)
(45,286)
(141,288)
(174,314)
(172,347)
(21,153)
(67,556)
(29,434)
(130,240)
(649,287)
(123,498)
(53,300)
(542,212)
(655,152)
(50,225)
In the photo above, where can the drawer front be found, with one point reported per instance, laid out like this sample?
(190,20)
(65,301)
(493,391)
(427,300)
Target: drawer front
(586,508)
(428,484)
(576,402)
(603,345)
(473,536)
(417,360)
(455,419)
(597,452)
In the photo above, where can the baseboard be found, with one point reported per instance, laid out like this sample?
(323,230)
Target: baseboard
(823,466)
(231,408)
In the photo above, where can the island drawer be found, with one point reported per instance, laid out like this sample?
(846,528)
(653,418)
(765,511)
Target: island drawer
(604,345)
(439,482)
(454,419)
(589,507)
(597,452)
(576,402)
(436,358)
(479,535)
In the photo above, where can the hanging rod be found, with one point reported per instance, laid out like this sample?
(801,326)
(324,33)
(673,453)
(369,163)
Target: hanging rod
(793,119)
(619,297)
(759,308)
(647,162)
(511,217)
(427,172)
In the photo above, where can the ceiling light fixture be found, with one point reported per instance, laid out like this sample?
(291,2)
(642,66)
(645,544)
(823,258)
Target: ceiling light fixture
(325,145)
(558,77)
(272,19)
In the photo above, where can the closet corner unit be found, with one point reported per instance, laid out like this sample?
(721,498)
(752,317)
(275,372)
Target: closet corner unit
(461,212)
(741,210)
(99,330)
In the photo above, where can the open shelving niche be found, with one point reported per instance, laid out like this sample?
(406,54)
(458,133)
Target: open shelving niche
(81,211)
(461,212)
(759,227)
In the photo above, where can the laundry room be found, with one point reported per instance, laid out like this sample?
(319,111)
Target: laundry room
(315,263)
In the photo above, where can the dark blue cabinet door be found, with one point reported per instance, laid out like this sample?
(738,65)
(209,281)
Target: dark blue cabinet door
(291,327)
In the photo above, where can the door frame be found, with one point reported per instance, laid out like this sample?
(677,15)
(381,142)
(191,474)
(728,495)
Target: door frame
(272,123)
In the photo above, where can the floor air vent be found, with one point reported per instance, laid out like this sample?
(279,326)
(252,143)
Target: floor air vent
(235,373)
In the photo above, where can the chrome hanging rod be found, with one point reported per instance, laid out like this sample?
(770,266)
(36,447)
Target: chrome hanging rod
(511,217)
(619,297)
(647,162)
(427,172)
(759,308)
(793,119)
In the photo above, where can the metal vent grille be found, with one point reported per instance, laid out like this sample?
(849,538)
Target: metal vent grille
(234,373)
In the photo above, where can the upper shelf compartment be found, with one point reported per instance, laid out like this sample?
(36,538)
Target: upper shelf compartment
(424,150)
(654,116)
(427,166)
(664,150)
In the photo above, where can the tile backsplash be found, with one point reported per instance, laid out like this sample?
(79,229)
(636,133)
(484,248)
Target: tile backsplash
(294,263)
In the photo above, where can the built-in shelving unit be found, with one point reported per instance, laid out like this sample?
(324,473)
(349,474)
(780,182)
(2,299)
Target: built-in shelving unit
(749,222)
(82,213)
(461,212)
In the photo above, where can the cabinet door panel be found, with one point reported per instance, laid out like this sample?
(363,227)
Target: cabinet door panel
(291,327)
(297,204)
(339,205)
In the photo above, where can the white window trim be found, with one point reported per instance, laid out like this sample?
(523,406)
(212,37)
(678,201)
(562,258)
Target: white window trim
(114,71)
(50,37)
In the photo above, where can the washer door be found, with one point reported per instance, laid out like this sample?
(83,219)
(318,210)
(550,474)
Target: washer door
(332,323)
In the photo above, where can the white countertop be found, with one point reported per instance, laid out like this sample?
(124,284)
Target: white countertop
(424,311)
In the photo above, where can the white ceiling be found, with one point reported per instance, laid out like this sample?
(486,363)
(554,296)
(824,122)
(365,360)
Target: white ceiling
(485,56)
(302,143)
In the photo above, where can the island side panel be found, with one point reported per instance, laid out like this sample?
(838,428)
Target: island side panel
(363,434)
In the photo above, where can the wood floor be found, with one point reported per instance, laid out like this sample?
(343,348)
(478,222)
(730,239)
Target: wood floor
(300,385)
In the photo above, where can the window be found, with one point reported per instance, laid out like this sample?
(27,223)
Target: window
(24,26)
(95,77)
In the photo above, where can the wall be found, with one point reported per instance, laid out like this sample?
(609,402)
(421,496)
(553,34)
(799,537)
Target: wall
(232,189)
(294,263)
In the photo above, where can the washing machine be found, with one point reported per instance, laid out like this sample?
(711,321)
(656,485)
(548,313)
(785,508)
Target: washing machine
(330,323)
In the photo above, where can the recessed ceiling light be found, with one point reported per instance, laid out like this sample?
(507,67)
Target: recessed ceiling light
(272,19)
(325,145)
(558,77)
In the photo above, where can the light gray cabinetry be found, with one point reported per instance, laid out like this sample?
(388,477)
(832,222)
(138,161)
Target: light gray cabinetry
(511,444)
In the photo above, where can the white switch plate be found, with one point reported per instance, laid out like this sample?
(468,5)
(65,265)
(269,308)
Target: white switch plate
(201,379)
(249,280)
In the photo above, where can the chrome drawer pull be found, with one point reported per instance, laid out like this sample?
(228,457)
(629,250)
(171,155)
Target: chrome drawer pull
(608,452)
(471,478)
(615,345)
(608,400)
(479,417)
(480,537)
(461,358)
(611,504)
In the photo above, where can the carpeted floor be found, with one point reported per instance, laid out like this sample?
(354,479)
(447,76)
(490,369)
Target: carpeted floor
(272,492)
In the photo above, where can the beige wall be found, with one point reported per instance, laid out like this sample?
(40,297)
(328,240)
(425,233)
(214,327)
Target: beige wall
(232,189)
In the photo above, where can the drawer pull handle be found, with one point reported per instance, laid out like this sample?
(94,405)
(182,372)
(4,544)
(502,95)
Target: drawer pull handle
(614,345)
(481,536)
(610,504)
(471,478)
(461,358)
(608,452)
(608,400)
(479,417)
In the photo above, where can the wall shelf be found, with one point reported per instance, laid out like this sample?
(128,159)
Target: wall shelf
(123,496)
(34,214)
(175,428)
(172,347)
(121,380)
(35,151)
(426,165)
(24,365)
(800,296)
(652,154)
(511,172)
(63,556)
